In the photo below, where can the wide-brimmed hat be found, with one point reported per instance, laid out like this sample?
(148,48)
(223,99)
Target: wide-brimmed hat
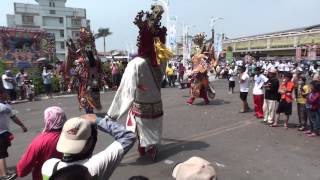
(74,136)
(194,168)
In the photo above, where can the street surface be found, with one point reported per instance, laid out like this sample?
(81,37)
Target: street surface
(239,146)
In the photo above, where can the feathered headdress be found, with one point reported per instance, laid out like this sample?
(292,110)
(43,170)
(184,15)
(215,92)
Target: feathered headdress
(152,35)
(86,38)
(199,40)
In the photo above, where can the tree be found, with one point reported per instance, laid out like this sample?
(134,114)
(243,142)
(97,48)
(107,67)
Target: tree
(103,32)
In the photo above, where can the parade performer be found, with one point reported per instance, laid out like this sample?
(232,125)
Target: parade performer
(88,72)
(199,76)
(140,88)
(139,92)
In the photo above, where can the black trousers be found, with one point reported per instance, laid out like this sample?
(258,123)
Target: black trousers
(11,93)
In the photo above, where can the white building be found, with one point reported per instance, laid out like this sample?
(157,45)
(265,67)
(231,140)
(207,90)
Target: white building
(52,16)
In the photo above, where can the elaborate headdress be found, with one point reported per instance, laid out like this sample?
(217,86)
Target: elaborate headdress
(201,59)
(199,40)
(152,35)
(86,39)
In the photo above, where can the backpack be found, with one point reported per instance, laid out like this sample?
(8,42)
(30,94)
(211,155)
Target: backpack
(71,172)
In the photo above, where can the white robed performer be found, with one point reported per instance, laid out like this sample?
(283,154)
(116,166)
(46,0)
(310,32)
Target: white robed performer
(139,93)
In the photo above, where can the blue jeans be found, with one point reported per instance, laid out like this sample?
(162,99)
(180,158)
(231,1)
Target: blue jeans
(314,117)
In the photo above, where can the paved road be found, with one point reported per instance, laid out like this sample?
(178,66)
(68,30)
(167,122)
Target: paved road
(240,147)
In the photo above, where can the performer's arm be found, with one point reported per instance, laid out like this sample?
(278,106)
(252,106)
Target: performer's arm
(118,132)
(125,95)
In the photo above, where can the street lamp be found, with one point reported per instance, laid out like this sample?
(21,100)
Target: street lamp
(212,21)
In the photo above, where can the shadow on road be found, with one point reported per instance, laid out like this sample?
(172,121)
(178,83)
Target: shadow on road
(215,102)
(167,150)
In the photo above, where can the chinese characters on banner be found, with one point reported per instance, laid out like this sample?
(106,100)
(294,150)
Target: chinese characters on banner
(218,44)
(172,34)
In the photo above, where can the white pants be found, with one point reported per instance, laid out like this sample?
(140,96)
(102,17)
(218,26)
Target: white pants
(148,130)
(269,109)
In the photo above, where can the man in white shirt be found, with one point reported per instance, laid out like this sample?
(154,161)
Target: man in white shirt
(258,97)
(20,78)
(8,84)
(286,67)
(6,115)
(47,81)
(244,89)
(232,83)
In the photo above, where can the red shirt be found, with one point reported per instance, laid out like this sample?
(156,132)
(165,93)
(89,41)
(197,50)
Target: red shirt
(287,88)
(42,148)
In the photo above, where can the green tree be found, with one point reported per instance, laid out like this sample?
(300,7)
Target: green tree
(103,33)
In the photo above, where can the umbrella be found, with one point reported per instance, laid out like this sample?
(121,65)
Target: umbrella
(42,59)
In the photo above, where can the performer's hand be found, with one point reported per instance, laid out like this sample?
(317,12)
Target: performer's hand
(89,117)
(69,90)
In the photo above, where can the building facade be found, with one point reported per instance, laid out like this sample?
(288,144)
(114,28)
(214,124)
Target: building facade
(301,43)
(53,17)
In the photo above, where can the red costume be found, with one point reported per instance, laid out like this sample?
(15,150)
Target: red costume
(199,76)
(87,77)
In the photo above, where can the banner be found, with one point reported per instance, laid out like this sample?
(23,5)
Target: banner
(229,57)
(172,33)
(218,45)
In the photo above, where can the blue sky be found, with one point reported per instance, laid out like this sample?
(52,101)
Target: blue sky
(241,17)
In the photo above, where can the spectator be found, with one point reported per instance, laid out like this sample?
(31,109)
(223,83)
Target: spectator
(271,96)
(6,115)
(115,75)
(29,90)
(259,79)
(194,168)
(43,147)
(9,85)
(232,83)
(244,89)
(77,142)
(20,78)
(313,107)
(285,104)
(47,81)
(181,71)
(302,91)
(175,73)
(62,83)
(170,75)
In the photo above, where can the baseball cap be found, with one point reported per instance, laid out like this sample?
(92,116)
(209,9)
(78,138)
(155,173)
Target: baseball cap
(74,136)
(194,168)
